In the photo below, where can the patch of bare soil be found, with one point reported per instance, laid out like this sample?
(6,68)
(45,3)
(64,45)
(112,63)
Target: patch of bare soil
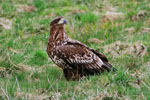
(139,15)
(30,96)
(6,23)
(95,40)
(112,16)
(119,48)
(25,8)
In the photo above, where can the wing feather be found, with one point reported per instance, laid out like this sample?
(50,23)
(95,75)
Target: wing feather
(77,54)
(103,57)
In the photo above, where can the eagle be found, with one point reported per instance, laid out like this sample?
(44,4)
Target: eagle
(73,57)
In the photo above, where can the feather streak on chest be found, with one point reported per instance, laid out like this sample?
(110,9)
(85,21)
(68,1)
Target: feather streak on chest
(58,61)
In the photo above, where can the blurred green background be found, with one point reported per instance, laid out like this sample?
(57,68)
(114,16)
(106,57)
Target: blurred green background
(120,29)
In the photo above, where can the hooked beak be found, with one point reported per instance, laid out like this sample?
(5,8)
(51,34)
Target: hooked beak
(65,22)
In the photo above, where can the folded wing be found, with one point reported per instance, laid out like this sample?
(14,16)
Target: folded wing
(75,54)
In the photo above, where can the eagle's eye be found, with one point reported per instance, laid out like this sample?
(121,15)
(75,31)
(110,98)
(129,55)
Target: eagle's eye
(58,21)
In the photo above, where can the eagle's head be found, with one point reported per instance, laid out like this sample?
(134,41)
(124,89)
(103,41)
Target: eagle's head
(58,21)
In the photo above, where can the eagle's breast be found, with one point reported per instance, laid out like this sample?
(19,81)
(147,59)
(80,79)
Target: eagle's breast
(54,54)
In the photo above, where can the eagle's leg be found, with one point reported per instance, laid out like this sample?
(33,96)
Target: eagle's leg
(76,76)
(70,74)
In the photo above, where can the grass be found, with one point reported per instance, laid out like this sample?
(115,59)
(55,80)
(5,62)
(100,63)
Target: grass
(26,72)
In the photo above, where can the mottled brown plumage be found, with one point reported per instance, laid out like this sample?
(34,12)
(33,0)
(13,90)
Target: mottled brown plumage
(75,58)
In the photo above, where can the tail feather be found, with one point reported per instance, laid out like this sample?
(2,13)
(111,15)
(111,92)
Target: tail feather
(109,67)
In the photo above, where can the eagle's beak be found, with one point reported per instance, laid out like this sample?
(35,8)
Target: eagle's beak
(62,21)
(65,22)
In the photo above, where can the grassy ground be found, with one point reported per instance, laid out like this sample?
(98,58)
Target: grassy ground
(26,72)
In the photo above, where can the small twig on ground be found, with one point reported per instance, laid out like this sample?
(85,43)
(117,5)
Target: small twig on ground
(18,84)
(5,93)
(145,85)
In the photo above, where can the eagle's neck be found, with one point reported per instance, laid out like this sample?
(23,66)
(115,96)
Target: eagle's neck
(57,34)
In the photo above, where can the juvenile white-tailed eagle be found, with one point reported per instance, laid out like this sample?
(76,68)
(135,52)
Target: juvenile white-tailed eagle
(75,58)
